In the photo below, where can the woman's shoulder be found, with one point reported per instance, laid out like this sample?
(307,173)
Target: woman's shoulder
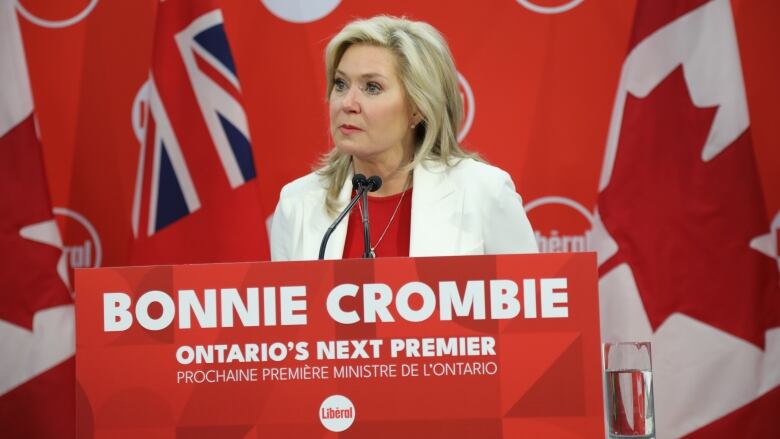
(477,173)
(302,186)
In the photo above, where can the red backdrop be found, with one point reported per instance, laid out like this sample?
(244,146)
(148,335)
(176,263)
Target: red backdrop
(543,88)
(539,88)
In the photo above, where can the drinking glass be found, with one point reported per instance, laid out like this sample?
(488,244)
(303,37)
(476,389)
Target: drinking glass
(629,389)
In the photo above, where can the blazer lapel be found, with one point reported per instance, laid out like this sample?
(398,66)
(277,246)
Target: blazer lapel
(318,221)
(437,210)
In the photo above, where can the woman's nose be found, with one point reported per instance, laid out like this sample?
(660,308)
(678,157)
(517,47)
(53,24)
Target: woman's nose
(350,101)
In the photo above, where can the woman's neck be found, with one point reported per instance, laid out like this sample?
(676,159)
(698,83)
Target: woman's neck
(392,174)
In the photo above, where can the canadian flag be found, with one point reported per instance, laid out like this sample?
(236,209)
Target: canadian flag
(684,241)
(37,369)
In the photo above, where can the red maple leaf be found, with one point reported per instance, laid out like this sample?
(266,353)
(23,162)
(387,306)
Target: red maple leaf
(684,225)
(28,270)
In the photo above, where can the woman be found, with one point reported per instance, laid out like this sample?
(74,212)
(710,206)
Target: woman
(395,108)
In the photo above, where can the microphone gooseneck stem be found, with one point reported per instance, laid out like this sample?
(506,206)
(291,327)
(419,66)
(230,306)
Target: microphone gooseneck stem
(367,253)
(361,189)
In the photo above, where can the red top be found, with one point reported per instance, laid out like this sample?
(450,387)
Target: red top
(380,209)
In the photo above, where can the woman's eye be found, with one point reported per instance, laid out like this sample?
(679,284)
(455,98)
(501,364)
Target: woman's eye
(373,88)
(339,84)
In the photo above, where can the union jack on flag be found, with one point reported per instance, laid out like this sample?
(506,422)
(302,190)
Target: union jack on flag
(196,142)
(206,54)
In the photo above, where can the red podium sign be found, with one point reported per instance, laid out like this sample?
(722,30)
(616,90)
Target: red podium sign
(472,346)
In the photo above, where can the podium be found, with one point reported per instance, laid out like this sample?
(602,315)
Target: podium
(457,347)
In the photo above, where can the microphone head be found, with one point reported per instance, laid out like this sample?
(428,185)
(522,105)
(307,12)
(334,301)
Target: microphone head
(358,181)
(374,183)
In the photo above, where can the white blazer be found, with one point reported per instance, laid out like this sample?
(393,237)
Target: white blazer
(467,209)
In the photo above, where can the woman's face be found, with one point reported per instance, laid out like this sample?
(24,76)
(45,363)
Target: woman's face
(370,116)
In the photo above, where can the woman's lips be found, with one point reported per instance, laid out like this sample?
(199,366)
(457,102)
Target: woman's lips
(349,129)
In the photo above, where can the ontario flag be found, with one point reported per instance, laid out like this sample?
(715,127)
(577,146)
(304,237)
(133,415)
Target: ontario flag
(682,224)
(195,198)
(37,368)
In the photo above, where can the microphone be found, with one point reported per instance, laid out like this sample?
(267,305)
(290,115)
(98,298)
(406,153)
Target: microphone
(359,181)
(361,185)
(373,183)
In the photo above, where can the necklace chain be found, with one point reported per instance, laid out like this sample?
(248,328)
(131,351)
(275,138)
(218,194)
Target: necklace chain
(392,217)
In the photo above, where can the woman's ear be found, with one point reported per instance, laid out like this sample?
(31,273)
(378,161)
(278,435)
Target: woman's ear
(416,118)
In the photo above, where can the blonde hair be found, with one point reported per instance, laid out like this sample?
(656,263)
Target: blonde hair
(428,75)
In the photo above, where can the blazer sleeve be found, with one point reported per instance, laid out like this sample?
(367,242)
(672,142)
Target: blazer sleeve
(281,231)
(507,229)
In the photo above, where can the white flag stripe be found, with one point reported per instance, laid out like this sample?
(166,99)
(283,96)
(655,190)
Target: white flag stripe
(25,354)
(16,102)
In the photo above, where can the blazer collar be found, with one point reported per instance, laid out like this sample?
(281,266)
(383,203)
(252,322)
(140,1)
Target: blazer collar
(437,209)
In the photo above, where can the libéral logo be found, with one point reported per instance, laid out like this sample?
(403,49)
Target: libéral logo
(299,11)
(549,6)
(560,224)
(468,106)
(57,14)
(81,242)
(337,413)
